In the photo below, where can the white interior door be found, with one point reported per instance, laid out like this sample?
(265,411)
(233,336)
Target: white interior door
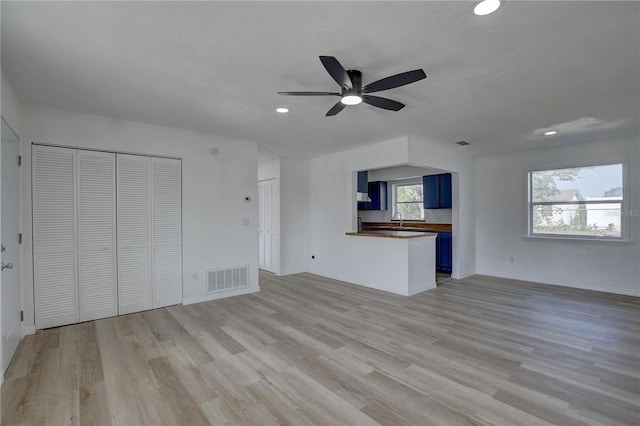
(166,218)
(54,236)
(268,255)
(268,220)
(97,285)
(260,225)
(134,233)
(10,278)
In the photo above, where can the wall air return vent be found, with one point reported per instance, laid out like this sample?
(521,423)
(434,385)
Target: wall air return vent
(225,279)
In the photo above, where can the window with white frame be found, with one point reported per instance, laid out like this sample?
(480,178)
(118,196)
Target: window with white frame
(407,199)
(578,202)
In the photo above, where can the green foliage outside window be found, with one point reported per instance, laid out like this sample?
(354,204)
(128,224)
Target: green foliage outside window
(409,201)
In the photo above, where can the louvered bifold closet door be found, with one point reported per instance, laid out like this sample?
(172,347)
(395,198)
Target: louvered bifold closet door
(134,233)
(166,231)
(54,236)
(97,235)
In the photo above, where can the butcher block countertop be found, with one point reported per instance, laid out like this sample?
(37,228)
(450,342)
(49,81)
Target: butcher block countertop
(392,234)
(408,226)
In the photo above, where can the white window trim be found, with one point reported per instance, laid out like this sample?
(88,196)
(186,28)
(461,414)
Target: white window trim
(624,206)
(394,184)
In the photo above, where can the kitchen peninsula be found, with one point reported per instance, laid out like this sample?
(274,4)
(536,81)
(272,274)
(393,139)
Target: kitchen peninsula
(400,262)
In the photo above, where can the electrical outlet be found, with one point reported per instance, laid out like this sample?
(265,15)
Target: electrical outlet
(511,259)
(194,276)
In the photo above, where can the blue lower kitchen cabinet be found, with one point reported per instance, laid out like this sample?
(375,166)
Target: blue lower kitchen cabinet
(443,252)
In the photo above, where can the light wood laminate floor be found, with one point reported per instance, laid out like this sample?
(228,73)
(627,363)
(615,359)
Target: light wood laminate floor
(310,350)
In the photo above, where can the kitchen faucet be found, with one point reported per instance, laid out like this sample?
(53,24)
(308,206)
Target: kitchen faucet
(398,215)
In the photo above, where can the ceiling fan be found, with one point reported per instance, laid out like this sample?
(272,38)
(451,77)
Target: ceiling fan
(352,91)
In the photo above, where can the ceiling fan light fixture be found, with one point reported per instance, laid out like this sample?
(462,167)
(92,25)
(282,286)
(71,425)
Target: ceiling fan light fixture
(352,92)
(486,7)
(351,99)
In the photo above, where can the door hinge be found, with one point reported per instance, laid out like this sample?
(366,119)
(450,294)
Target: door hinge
(21,316)
(20,238)
(19,160)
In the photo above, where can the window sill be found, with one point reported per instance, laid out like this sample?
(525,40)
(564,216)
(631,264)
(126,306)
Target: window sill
(605,241)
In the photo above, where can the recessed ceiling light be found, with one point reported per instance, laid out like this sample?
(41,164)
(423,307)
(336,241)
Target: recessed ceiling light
(486,7)
(282,110)
(551,133)
(351,100)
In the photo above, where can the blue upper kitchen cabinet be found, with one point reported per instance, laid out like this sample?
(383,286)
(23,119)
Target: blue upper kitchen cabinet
(443,252)
(378,195)
(363,181)
(437,191)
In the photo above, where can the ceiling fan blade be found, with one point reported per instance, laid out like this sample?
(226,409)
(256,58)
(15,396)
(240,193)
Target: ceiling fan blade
(336,109)
(309,93)
(395,81)
(337,71)
(383,103)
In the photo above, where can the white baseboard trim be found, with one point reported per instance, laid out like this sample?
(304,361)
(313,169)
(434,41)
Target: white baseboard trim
(291,272)
(221,295)
(28,330)
(590,287)
(463,276)
(420,289)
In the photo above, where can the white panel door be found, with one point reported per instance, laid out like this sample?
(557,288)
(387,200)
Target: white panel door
(268,216)
(166,219)
(96,174)
(260,225)
(134,233)
(54,236)
(10,286)
(268,264)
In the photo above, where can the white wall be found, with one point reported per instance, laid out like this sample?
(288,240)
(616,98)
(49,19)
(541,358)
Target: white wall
(295,198)
(213,188)
(11,107)
(333,204)
(268,168)
(501,201)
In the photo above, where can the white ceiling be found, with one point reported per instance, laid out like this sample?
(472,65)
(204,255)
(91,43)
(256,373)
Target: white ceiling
(496,81)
